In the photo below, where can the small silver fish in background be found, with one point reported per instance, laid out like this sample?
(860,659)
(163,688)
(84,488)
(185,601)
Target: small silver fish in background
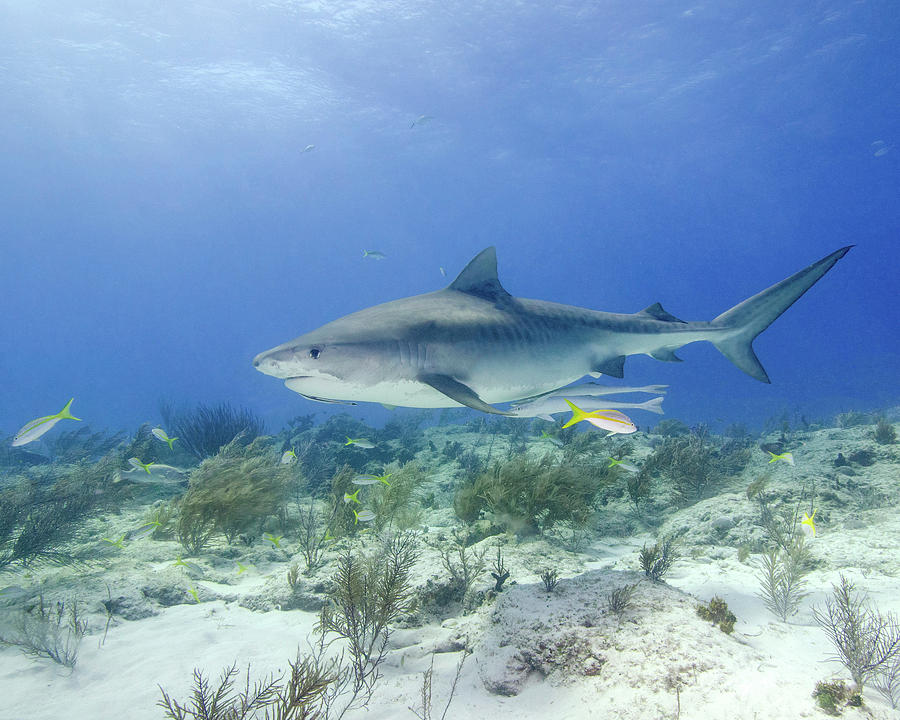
(374,254)
(160,434)
(33,430)
(360,442)
(142,531)
(191,567)
(288,457)
(363,516)
(308,148)
(421,120)
(553,440)
(443,272)
(157,472)
(624,465)
(370,479)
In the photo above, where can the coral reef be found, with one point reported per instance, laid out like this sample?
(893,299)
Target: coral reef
(529,496)
(206,429)
(865,640)
(230,493)
(657,559)
(367,597)
(48,630)
(716,611)
(302,697)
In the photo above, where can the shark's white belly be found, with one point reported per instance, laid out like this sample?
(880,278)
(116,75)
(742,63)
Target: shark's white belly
(497,377)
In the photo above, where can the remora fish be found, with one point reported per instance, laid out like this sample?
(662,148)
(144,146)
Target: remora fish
(595,389)
(548,405)
(474,344)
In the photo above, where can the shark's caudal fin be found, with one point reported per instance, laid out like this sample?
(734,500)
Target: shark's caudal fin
(755,314)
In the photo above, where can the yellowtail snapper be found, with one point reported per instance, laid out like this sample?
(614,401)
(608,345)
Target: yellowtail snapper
(610,420)
(160,434)
(363,443)
(33,430)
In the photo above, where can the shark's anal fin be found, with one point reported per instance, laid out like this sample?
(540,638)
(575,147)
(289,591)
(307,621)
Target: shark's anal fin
(614,367)
(456,390)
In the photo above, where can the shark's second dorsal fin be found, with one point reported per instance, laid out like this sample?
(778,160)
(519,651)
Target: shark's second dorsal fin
(656,311)
(479,278)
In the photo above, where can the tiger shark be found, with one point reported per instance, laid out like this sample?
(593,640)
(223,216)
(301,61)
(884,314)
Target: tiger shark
(473,344)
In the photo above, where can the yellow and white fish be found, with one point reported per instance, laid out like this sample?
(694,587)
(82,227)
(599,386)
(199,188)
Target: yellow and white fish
(160,434)
(611,420)
(624,465)
(364,443)
(808,524)
(786,456)
(33,430)
(363,516)
(137,464)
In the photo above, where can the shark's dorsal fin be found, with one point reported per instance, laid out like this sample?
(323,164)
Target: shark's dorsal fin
(656,311)
(479,278)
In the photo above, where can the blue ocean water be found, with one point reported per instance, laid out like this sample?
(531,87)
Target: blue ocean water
(163,219)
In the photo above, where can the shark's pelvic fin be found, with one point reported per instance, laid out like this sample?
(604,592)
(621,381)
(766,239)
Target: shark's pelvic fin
(656,311)
(755,314)
(456,390)
(479,278)
(614,367)
(665,355)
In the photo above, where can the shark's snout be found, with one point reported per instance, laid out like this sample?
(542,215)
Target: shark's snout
(275,362)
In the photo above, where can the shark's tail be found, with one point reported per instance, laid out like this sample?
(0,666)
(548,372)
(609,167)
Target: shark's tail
(749,318)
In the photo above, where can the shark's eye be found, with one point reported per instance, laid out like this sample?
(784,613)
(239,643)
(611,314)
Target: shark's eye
(314,353)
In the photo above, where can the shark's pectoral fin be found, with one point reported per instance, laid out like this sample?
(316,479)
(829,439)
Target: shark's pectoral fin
(463,394)
(665,355)
(614,367)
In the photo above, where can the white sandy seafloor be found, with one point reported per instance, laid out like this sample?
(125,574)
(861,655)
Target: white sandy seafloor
(534,654)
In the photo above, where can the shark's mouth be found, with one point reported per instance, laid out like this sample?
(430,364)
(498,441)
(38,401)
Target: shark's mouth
(327,400)
(289,383)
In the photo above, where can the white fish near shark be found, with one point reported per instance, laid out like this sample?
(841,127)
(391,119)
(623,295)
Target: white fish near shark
(596,389)
(547,406)
(474,344)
